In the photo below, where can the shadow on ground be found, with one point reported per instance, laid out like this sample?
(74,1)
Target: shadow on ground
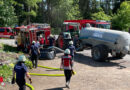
(58,88)
(89,61)
(8,48)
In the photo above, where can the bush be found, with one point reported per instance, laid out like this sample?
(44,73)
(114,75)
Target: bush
(29,64)
(6,72)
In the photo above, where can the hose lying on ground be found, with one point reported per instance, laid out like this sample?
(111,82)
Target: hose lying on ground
(32,88)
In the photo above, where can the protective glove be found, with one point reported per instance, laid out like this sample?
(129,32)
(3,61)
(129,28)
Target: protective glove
(13,81)
(30,80)
(73,72)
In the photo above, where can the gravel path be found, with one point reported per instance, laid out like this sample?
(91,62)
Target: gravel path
(8,41)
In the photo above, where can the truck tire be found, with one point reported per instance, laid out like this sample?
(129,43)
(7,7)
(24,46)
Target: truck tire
(119,55)
(99,53)
(51,55)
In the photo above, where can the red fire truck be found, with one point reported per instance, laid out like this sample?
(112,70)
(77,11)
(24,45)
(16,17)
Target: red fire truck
(32,32)
(6,32)
(93,23)
(73,27)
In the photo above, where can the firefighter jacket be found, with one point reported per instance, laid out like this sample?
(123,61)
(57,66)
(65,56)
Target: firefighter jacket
(67,62)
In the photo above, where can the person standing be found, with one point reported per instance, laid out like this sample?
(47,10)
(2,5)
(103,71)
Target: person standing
(72,49)
(41,40)
(21,71)
(67,65)
(34,52)
(76,39)
(51,40)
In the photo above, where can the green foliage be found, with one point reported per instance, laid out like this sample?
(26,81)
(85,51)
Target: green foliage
(55,31)
(6,72)
(121,20)
(29,64)
(31,13)
(26,9)
(101,16)
(7,15)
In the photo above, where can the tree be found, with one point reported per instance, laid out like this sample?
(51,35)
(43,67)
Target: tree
(7,15)
(101,15)
(25,9)
(121,20)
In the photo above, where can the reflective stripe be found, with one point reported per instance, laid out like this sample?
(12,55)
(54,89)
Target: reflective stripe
(4,35)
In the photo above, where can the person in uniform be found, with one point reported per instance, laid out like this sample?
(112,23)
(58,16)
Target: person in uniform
(21,71)
(34,52)
(72,49)
(67,65)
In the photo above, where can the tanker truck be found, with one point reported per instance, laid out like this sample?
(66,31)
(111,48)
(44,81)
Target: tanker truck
(104,41)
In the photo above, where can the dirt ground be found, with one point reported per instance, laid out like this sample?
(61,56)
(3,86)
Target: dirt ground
(90,75)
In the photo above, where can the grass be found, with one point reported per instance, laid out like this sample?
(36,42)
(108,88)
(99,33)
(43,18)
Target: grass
(8,48)
(6,72)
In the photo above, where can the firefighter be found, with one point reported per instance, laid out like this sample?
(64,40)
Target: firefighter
(67,65)
(34,52)
(41,40)
(20,70)
(75,39)
(72,49)
(51,40)
(18,42)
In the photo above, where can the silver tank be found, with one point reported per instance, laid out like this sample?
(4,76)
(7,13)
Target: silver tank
(119,41)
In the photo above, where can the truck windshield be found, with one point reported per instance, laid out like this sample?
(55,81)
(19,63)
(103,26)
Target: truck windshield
(106,26)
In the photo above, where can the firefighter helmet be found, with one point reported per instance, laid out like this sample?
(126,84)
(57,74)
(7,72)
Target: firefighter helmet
(67,51)
(71,42)
(33,42)
(22,58)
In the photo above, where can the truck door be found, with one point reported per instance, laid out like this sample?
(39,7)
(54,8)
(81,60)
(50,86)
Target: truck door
(8,33)
(33,37)
(2,32)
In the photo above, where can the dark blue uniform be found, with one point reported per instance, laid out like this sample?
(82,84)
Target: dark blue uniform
(51,41)
(72,49)
(34,55)
(20,70)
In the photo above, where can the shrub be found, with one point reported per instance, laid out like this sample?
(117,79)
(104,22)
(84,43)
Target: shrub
(6,72)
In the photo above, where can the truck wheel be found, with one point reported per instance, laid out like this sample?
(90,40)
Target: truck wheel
(11,37)
(119,55)
(99,53)
(51,55)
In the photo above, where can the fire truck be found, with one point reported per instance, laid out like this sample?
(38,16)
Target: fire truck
(6,32)
(93,23)
(27,34)
(71,28)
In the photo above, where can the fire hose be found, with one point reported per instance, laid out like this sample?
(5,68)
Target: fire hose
(32,88)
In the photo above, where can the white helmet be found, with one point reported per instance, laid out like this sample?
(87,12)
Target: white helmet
(71,42)
(22,58)
(51,35)
(88,25)
(67,51)
(33,42)
(40,36)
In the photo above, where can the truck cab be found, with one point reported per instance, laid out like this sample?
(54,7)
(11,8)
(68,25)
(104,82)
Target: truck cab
(6,32)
